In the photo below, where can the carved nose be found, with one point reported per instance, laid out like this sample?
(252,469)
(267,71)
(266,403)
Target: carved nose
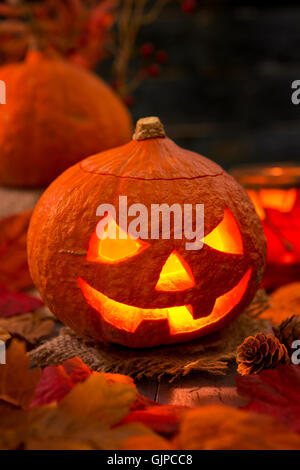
(176,275)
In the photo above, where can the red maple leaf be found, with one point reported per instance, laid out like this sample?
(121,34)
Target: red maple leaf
(16,303)
(274,392)
(163,419)
(57,381)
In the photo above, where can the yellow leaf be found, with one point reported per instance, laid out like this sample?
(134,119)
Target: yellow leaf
(4,335)
(17,381)
(98,400)
(83,418)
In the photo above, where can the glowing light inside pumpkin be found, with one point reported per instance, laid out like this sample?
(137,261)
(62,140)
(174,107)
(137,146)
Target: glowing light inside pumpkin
(180,319)
(282,200)
(114,250)
(279,211)
(175,275)
(226,236)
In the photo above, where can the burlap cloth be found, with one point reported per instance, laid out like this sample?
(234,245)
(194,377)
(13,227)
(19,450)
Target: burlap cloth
(211,354)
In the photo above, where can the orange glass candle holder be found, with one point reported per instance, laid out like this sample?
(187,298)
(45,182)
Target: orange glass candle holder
(275,192)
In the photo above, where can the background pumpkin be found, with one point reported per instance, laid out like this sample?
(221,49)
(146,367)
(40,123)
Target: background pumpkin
(56,114)
(85,287)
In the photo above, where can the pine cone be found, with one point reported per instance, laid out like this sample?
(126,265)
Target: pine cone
(288,331)
(260,352)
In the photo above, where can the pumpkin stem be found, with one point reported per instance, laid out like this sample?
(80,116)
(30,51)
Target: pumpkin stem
(148,128)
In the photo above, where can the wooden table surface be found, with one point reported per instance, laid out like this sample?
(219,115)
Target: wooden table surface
(194,390)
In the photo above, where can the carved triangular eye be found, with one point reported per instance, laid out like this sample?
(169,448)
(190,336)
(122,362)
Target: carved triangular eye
(175,275)
(114,250)
(226,237)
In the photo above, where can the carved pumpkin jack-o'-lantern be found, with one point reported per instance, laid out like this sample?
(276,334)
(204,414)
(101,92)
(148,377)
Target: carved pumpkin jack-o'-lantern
(145,292)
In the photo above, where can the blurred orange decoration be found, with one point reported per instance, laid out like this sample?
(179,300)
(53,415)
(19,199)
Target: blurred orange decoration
(275,193)
(78,29)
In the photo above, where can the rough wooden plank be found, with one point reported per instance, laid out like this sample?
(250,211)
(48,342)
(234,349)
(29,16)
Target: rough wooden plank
(200,389)
(148,388)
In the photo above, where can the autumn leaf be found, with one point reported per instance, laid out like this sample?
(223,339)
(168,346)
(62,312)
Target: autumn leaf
(102,401)
(13,425)
(17,381)
(163,419)
(16,303)
(89,436)
(146,441)
(31,327)
(88,417)
(82,420)
(141,402)
(119,378)
(14,272)
(57,381)
(218,427)
(121,437)
(4,335)
(274,392)
(16,321)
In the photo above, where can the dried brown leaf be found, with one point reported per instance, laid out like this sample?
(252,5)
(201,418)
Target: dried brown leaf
(31,327)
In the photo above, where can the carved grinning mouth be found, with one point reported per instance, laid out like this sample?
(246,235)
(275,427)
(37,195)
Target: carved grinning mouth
(180,318)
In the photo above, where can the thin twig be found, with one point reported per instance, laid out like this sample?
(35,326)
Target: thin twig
(132,16)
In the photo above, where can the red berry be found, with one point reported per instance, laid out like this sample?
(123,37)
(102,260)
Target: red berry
(147,50)
(153,70)
(161,57)
(188,6)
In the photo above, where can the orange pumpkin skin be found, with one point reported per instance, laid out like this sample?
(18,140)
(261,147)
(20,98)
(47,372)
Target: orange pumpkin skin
(55,115)
(86,293)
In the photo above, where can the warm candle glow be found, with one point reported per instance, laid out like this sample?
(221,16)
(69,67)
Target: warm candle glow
(275,194)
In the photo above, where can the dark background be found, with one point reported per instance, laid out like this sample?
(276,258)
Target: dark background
(226,91)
